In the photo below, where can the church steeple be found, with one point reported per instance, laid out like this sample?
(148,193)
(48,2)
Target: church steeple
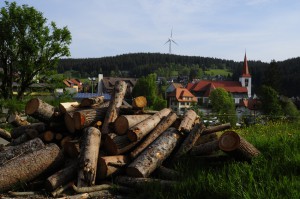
(245,68)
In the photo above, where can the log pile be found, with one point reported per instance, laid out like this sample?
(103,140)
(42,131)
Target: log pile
(78,149)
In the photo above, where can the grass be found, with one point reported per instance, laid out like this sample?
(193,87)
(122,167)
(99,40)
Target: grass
(222,72)
(274,174)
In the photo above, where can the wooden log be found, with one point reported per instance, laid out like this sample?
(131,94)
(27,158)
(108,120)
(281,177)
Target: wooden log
(188,121)
(117,144)
(88,157)
(57,192)
(61,177)
(139,102)
(71,148)
(92,188)
(235,145)
(88,117)
(154,155)
(218,128)
(48,136)
(16,120)
(5,135)
(86,102)
(68,106)
(69,121)
(208,138)
(40,110)
(124,122)
(114,106)
(164,124)
(167,173)
(189,141)
(26,136)
(140,130)
(206,148)
(23,193)
(39,127)
(14,151)
(96,194)
(33,164)
(108,165)
(142,182)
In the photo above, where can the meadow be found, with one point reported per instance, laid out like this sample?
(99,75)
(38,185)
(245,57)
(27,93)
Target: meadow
(273,174)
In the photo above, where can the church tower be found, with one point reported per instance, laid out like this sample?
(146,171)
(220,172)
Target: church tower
(245,78)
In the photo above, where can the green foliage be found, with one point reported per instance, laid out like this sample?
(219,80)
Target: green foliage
(222,72)
(13,105)
(223,104)
(29,48)
(274,174)
(289,109)
(270,102)
(272,76)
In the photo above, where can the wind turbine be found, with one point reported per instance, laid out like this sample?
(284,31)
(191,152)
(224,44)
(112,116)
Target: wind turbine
(170,40)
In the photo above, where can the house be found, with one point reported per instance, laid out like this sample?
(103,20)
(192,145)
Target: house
(248,107)
(74,83)
(171,88)
(180,100)
(239,89)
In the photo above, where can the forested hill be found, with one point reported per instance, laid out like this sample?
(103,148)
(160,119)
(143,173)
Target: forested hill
(141,64)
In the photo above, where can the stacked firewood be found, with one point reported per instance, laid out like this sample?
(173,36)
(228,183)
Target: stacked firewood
(75,147)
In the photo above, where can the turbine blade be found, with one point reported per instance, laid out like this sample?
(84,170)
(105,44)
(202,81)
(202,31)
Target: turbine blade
(174,42)
(168,41)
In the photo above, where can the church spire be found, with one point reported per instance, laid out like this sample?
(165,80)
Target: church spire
(245,68)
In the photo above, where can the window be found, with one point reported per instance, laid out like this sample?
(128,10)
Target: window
(246,82)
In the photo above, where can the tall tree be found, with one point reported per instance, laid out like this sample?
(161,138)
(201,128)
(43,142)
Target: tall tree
(29,48)
(270,101)
(272,77)
(223,104)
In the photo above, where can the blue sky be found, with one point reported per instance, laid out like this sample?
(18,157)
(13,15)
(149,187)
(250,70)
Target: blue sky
(267,29)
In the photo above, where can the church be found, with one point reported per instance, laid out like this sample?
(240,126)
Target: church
(239,89)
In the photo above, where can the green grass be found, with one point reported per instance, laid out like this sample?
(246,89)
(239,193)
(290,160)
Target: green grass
(274,174)
(222,72)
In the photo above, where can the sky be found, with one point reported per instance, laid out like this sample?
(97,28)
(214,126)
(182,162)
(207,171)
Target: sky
(266,29)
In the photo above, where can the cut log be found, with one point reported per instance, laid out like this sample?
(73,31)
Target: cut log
(164,124)
(232,143)
(188,121)
(25,193)
(124,122)
(39,127)
(61,177)
(33,164)
(218,128)
(14,151)
(167,173)
(189,141)
(114,106)
(64,141)
(108,165)
(48,136)
(88,157)
(68,106)
(142,182)
(5,135)
(154,155)
(208,138)
(57,192)
(92,188)
(139,102)
(16,120)
(206,148)
(117,144)
(71,148)
(27,135)
(40,110)
(140,130)
(69,121)
(88,117)
(86,102)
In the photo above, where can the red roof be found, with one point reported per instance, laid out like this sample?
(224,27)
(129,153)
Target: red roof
(180,93)
(252,104)
(207,86)
(245,68)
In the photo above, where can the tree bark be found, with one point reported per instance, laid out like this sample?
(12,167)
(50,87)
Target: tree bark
(165,123)
(124,122)
(108,165)
(114,106)
(16,120)
(208,138)
(27,135)
(57,192)
(39,127)
(86,102)
(188,121)
(154,155)
(61,177)
(40,110)
(88,157)
(237,146)
(214,129)
(142,182)
(68,106)
(69,121)
(140,130)
(189,141)
(92,189)
(33,164)
(206,148)
(139,102)
(87,117)
(72,148)
(117,144)
(5,135)
(11,152)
